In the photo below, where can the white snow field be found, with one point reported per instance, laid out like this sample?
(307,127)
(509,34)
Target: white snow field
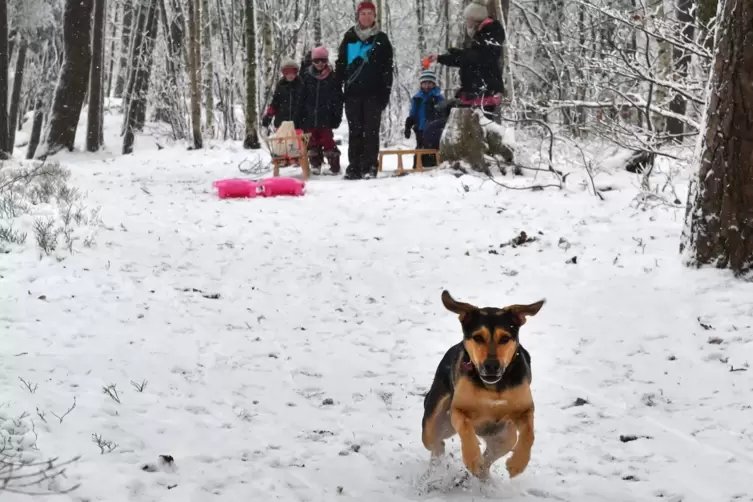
(287,342)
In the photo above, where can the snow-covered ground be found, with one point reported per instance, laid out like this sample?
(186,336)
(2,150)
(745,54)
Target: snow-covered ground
(286,343)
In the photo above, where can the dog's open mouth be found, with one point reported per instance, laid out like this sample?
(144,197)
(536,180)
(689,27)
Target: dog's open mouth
(490,379)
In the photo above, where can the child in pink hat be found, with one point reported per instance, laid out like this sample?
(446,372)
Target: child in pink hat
(320,110)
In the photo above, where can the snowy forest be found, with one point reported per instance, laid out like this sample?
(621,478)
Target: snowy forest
(631,71)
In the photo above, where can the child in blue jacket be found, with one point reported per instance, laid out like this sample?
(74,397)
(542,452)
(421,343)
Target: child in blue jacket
(423,110)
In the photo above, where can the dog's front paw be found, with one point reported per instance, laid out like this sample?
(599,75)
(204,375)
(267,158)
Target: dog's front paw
(517,464)
(472,459)
(437,450)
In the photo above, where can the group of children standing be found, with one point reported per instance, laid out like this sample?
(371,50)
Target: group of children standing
(312,98)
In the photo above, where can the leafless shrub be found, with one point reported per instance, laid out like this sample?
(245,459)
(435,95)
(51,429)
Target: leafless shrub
(11,236)
(61,417)
(139,386)
(30,386)
(29,477)
(105,445)
(253,167)
(12,205)
(111,391)
(26,186)
(46,234)
(21,471)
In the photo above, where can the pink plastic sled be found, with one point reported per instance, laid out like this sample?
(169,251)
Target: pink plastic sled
(236,188)
(269,187)
(272,187)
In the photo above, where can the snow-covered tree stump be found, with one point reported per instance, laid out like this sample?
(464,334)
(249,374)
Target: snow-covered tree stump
(469,138)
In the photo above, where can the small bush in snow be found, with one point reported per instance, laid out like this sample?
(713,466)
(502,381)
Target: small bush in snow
(37,198)
(105,445)
(22,469)
(8,234)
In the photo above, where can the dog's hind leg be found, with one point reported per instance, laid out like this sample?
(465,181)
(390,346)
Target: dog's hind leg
(499,445)
(436,423)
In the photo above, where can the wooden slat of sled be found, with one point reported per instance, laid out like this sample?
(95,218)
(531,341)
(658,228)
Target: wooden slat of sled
(419,167)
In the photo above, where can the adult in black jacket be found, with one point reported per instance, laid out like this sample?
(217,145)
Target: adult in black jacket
(479,61)
(320,110)
(364,67)
(284,101)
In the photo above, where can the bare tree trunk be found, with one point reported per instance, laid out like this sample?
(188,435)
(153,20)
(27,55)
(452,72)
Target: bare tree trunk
(380,11)
(125,47)
(4,126)
(704,13)
(170,108)
(139,80)
(225,87)
(138,29)
(178,6)
(206,21)
(447,36)
(505,6)
(268,51)
(296,14)
(94,118)
(101,132)
(72,83)
(317,22)
(195,61)
(252,106)
(15,99)
(11,42)
(681,58)
(36,129)
(113,35)
(719,221)
(420,15)
(49,66)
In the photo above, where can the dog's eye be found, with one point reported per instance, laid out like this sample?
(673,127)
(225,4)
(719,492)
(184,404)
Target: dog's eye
(478,339)
(504,340)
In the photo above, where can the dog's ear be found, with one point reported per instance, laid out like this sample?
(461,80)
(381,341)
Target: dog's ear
(523,311)
(460,308)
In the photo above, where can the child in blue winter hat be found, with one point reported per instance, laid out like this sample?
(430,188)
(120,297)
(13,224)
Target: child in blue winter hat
(423,110)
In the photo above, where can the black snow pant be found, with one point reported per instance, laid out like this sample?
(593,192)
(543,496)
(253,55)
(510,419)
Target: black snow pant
(426,159)
(364,114)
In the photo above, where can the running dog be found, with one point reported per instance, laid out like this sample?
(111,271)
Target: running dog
(482,389)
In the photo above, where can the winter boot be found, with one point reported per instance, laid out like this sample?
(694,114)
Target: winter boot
(429,160)
(370,172)
(315,160)
(333,158)
(353,172)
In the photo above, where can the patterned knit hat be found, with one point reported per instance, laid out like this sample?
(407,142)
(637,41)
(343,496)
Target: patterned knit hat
(428,76)
(476,10)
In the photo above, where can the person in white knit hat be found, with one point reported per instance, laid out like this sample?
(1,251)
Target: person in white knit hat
(480,61)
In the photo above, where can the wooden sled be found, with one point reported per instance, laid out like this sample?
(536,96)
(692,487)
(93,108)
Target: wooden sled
(418,167)
(287,160)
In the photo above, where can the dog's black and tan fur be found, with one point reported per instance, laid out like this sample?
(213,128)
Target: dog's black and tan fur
(482,389)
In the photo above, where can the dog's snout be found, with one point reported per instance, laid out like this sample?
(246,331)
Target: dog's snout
(492,367)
